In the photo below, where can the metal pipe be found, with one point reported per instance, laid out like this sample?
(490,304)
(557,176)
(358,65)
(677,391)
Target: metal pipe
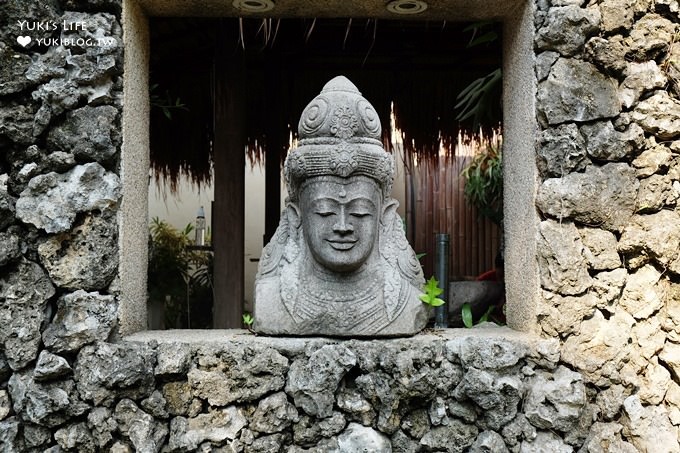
(441,273)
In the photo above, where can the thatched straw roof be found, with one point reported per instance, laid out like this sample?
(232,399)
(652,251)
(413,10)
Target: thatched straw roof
(420,67)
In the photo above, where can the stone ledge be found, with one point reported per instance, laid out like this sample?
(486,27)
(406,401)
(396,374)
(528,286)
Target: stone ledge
(241,335)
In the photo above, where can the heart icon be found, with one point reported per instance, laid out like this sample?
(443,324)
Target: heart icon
(24,40)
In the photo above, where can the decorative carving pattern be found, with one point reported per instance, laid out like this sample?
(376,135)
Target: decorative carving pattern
(344,123)
(343,160)
(314,116)
(369,117)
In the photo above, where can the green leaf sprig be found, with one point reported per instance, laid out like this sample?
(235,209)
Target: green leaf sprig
(431,291)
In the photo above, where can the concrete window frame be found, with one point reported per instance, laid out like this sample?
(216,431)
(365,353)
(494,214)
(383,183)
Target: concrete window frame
(520,176)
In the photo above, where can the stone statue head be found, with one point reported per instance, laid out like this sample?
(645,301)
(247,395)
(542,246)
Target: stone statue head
(339,263)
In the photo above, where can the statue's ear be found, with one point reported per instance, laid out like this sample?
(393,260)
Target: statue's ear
(294,216)
(389,211)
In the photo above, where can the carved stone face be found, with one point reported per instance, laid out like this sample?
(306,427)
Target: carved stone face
(340,218)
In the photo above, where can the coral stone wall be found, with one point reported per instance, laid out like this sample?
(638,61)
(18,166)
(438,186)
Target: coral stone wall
(603,374)
(609,245)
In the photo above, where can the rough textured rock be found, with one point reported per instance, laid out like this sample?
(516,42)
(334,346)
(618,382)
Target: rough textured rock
(567,28)
(359,439)
(671,356)
(640,78)
(616,15)
(555,401)
(659,115)
(600,249)
(12,68)
(649,336)
(653,238)
(652,160)
(561,150)
(545,442)
(5,404)
(498,396)
(455,437)
(50,367)
(518,430)
(563,266)
(576,91)
(52,201)
(178,397)
(104,371)
(75,437)
(7,203)
(56,96)
(489,442)
(648,428)
(145,433)
(102,424)
(356,406)
(563,314)
(313,384)
(309,430)
(605,438)
(654,383)
(544,62)
(244,375)
(599,348)
(16,123)
(156,405)
(173,358)
(47,404)
(485,353)
(657,192)
(9,435)
(48,65)
(608,54)
(82,318)
(10,247)
(601,196)
(643,294)
(89,133)
(603,142)
(274,414)
(610,400)
(37,436)
(24,291)
(217,426)
(401,443)
(650,37)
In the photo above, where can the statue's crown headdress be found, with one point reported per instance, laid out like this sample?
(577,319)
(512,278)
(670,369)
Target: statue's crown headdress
(339,134)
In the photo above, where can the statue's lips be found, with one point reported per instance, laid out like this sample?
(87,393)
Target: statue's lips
(342,244)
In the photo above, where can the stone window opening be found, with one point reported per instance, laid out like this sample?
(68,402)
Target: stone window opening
(518,97)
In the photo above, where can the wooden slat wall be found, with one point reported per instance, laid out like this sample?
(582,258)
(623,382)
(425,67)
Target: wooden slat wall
(440,207)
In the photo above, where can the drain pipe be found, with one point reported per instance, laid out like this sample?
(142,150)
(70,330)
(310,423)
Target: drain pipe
(441,273)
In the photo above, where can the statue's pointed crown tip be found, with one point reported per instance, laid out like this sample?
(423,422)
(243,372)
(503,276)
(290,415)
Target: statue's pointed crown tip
(340,83)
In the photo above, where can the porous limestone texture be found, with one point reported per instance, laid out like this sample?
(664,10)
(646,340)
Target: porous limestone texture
(609,243)
(601,374)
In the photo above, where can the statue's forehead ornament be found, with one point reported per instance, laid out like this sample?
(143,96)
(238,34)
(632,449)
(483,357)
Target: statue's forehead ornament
(339,136)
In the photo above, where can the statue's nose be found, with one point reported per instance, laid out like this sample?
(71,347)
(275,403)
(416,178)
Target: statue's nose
(343,226)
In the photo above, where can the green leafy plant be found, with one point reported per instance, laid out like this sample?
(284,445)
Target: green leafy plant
(178,275)
(466,314)
(248,320)
(431,291)
(479,99)
(484,182)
